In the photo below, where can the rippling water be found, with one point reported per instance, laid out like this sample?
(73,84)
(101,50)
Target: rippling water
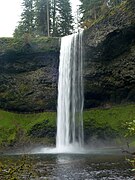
(81,167)
(78,167)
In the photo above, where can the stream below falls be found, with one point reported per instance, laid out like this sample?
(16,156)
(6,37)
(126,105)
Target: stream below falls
(104,166)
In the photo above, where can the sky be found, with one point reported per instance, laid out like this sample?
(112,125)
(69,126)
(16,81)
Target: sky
(10,11)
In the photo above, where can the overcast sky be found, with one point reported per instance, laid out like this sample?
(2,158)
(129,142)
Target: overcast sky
(10,11)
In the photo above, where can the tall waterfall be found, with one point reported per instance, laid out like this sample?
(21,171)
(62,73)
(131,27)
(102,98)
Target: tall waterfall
(70,95)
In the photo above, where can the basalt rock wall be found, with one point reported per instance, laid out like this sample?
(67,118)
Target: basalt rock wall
(29,70)
(109,64)
(29,76)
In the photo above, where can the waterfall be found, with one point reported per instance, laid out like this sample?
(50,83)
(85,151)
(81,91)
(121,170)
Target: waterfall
(70,95)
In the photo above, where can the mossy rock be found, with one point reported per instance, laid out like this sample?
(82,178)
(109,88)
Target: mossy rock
(43,129)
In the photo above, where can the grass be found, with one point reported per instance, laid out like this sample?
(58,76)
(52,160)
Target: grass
(115,117)
(11,124)
(26,121)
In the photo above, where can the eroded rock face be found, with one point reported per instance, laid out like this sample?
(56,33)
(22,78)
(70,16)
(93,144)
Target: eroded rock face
(109,46)
(29,77)
(29,81)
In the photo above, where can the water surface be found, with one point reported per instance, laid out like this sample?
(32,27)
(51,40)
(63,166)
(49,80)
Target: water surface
(104,166)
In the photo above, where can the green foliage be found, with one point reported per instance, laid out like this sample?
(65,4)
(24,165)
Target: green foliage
(20,45)
(65,19)
(54,17)
(130,132)
(10,44)
(26,24)
(40,15)
(15,127)
(130,126)
(115,117)
(46,43)
(95,10)
(132,163)
(90,8)
(113,3)
(13,169)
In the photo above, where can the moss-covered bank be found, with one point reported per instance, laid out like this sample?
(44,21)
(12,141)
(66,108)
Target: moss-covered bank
(27,45)
(40,128)
(15,128)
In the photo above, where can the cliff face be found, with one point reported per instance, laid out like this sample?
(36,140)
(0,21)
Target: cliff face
(29,77)
(29,71)
(109,44)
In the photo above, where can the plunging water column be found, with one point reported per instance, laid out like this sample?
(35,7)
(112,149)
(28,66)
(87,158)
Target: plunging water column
(70,95)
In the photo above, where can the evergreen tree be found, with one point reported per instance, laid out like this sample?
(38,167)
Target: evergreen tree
(90,9)
(41,19)
(93,9)
(26,25)
(54,17)
(113,3)
(65,18)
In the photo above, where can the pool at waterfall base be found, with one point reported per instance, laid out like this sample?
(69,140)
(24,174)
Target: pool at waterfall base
(99,164)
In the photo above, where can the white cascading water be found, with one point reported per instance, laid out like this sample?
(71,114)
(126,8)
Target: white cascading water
(70,95)
(70,98)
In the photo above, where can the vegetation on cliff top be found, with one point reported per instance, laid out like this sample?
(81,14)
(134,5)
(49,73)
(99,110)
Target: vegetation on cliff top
(95,11)
(27,44)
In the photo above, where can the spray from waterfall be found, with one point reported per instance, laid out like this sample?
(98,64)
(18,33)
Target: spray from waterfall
(70,95)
